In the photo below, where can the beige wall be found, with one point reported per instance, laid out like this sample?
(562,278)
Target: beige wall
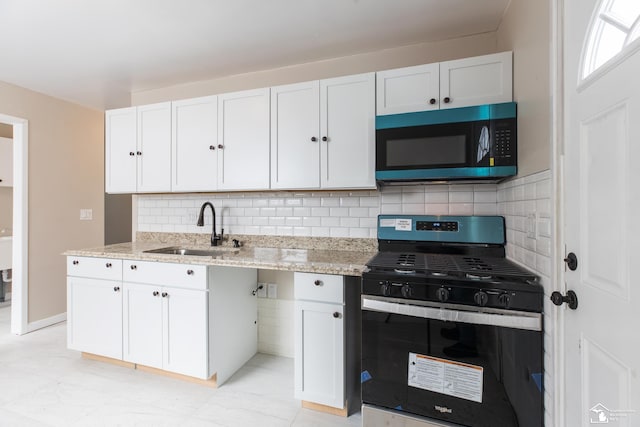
(526,30)
(6,209)
(66,173)
(6,131)
(6,193)
(423,53)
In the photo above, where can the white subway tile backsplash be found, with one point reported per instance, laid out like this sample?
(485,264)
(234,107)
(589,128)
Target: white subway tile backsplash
(485,209)
(461,197)
(339,212)
(339,232)
(436,197)
(460,208)
(349,222)
(413,198)
(311,221)
(437,209)
(359,212)
(320,231)
(349,201)
(284,211)
(485,197)
(413,208)
(359,232)
(320,211)
(395,208)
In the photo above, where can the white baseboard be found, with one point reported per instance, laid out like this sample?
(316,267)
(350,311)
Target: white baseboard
(43,323)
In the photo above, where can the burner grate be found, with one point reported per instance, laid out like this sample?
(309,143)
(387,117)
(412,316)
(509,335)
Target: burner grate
(471,267)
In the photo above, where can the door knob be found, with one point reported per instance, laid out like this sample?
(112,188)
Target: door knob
(314,139)
(325,139)
(432,101)
(336,315)
(447,100)
(572,261)
(571,299)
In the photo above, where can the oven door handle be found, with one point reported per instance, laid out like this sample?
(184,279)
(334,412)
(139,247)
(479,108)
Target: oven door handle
(528,321)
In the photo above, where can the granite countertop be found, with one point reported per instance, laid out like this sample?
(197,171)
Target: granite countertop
(315,257)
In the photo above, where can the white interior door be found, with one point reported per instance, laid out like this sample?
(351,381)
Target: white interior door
(601,204)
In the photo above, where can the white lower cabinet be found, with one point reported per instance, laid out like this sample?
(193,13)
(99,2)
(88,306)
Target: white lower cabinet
(188,319)
(166,328)
(94,316)
(94,306)
(319,345)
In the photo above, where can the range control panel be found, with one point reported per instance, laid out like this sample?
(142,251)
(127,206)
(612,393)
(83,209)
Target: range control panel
(437,225)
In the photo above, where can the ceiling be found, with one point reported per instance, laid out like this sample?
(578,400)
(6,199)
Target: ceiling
(97,52)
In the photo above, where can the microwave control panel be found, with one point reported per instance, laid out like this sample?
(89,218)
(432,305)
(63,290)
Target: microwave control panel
(504,142)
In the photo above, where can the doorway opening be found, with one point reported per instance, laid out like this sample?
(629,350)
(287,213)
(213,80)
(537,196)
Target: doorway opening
(19,226)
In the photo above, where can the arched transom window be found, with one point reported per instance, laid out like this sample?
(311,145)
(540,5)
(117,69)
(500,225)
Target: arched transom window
(615,26)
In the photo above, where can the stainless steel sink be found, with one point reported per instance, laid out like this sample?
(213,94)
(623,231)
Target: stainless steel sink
(176,250)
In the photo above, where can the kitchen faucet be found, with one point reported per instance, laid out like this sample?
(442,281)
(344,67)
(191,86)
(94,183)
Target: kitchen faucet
(214,237)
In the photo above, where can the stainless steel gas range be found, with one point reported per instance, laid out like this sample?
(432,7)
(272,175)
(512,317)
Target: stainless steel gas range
(451,329)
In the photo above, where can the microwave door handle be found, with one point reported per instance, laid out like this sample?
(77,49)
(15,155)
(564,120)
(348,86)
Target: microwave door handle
(530,321)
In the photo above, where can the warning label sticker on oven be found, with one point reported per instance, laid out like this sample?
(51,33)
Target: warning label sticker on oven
(446,376)
(403,224)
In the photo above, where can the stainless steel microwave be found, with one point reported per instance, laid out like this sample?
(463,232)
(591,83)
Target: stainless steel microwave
(476,143)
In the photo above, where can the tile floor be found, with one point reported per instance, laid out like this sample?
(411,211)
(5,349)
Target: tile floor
(44,384)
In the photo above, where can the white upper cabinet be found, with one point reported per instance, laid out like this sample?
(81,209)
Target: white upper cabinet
(243,140)
(154,148)
(194,144)
(408,89)
(347,132)
(486,79)
(322,134)
(479,80)
(295,136)
(138,149)
(6,162)
(120,150)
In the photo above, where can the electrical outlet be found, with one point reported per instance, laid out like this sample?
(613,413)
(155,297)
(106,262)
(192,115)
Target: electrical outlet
(530,226)
(272,291)
(86,214)
(262,292)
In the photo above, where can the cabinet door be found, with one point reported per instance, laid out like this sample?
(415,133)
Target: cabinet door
(194,143)
(347,129)
(94,322)
(185,331)
(142,324)
(154,147)
(243,138)
(476,81)
(409,89)
(295,139)
(319,353)
(120,150)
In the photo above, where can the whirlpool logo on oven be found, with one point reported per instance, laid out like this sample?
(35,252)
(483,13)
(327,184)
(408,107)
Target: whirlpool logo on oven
(443,409)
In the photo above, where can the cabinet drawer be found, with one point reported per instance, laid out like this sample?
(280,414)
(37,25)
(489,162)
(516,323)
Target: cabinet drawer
(318,287)
(96,268)
(187,276)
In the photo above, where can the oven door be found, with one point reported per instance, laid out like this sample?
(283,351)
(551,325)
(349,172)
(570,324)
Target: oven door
(472,368)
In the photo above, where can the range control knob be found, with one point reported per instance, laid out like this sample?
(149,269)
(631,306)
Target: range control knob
(407,290)
(442,294)
(385,288)
(504,299)
(481,298)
